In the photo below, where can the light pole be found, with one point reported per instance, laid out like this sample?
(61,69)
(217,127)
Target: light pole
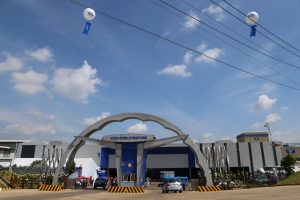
(267,125)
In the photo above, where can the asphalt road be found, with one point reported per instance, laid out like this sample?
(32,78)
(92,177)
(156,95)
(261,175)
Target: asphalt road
(274,193)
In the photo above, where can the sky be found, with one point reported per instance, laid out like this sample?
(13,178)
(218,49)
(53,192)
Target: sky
(56,81)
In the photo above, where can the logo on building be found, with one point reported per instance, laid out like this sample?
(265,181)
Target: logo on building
(129,165)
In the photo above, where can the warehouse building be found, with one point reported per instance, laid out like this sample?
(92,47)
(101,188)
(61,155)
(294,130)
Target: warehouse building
(221,157)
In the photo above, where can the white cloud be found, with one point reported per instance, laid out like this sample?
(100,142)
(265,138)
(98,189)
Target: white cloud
(286,136)
(29,82)
(207,137)
(187,57)
(272,118)
(264,102)
(31,129)
(177,70)
(191,23)
(138,128)
(76,84)
(92,120)
(284,108)
(43,55)
(201,47)
(215,11)
(267,88)
(11,63)
(30,123)
(257,125)
(212,53)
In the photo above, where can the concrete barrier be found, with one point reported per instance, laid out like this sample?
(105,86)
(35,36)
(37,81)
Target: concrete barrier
(131,189)
(209,188)
(45,187)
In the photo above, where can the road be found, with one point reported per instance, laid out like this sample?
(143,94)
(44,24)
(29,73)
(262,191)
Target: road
(274,193)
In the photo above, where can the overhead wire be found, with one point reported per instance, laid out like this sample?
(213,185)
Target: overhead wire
(256,30)
(227,27)
(263,27)
(235,47)
(183,46)
(232,38)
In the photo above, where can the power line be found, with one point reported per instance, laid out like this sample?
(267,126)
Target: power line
(264,28)
(234,39)
(256,31)
(227,27)
(234,47)
(254,60)
(182,46)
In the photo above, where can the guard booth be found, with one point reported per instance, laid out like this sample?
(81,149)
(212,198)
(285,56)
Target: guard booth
(129,164)
(128,152)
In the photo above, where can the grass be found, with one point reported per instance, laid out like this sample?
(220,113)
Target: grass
(293,179)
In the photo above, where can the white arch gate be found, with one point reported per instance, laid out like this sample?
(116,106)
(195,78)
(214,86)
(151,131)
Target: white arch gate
(73,147)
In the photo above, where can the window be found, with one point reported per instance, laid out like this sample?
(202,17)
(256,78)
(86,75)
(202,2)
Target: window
(28,151)
(6,153)
(128,177)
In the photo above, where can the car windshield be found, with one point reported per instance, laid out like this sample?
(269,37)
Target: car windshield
(172,180)
(100,179)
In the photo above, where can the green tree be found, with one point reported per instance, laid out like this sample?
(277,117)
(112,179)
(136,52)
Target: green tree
(36,163)
(287,163)
(70,168)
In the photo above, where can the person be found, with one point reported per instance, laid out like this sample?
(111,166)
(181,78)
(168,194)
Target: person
(183,185)
(147,182)
(115,182)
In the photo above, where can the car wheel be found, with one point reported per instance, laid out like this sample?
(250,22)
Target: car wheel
(167,191)
(180,191)
(175,191)
(95,187)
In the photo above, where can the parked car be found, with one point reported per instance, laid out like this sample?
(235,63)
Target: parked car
(171,184)
(226,183)
(100,182)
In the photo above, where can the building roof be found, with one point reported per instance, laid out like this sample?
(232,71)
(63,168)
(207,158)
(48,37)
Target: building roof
(253,134)
(14,141)
(4,147)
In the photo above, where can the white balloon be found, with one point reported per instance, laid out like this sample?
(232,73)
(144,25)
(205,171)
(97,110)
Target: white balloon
(89,14)
(252,18)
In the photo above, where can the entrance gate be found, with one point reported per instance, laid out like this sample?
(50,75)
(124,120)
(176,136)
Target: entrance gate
(79,141)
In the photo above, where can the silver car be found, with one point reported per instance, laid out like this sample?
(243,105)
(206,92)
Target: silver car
(171,185)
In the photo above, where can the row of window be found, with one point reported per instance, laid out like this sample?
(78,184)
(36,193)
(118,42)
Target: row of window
(128,177)
(5,153)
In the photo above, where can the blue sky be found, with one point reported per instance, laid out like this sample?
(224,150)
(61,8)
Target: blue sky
(55,81)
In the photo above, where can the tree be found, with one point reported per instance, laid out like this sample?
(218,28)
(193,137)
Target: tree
(287,163)
(70,168)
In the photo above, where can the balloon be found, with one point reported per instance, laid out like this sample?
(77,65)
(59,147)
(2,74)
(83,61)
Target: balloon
(89,14)
(252,18)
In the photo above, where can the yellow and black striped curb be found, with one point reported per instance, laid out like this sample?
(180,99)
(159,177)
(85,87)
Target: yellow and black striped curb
(209,188)
(5,188)
(130,189)
(45,187)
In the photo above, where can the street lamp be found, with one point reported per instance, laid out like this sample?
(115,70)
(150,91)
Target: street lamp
(267,125)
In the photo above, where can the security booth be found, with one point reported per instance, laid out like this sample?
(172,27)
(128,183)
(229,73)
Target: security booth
(127,153)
